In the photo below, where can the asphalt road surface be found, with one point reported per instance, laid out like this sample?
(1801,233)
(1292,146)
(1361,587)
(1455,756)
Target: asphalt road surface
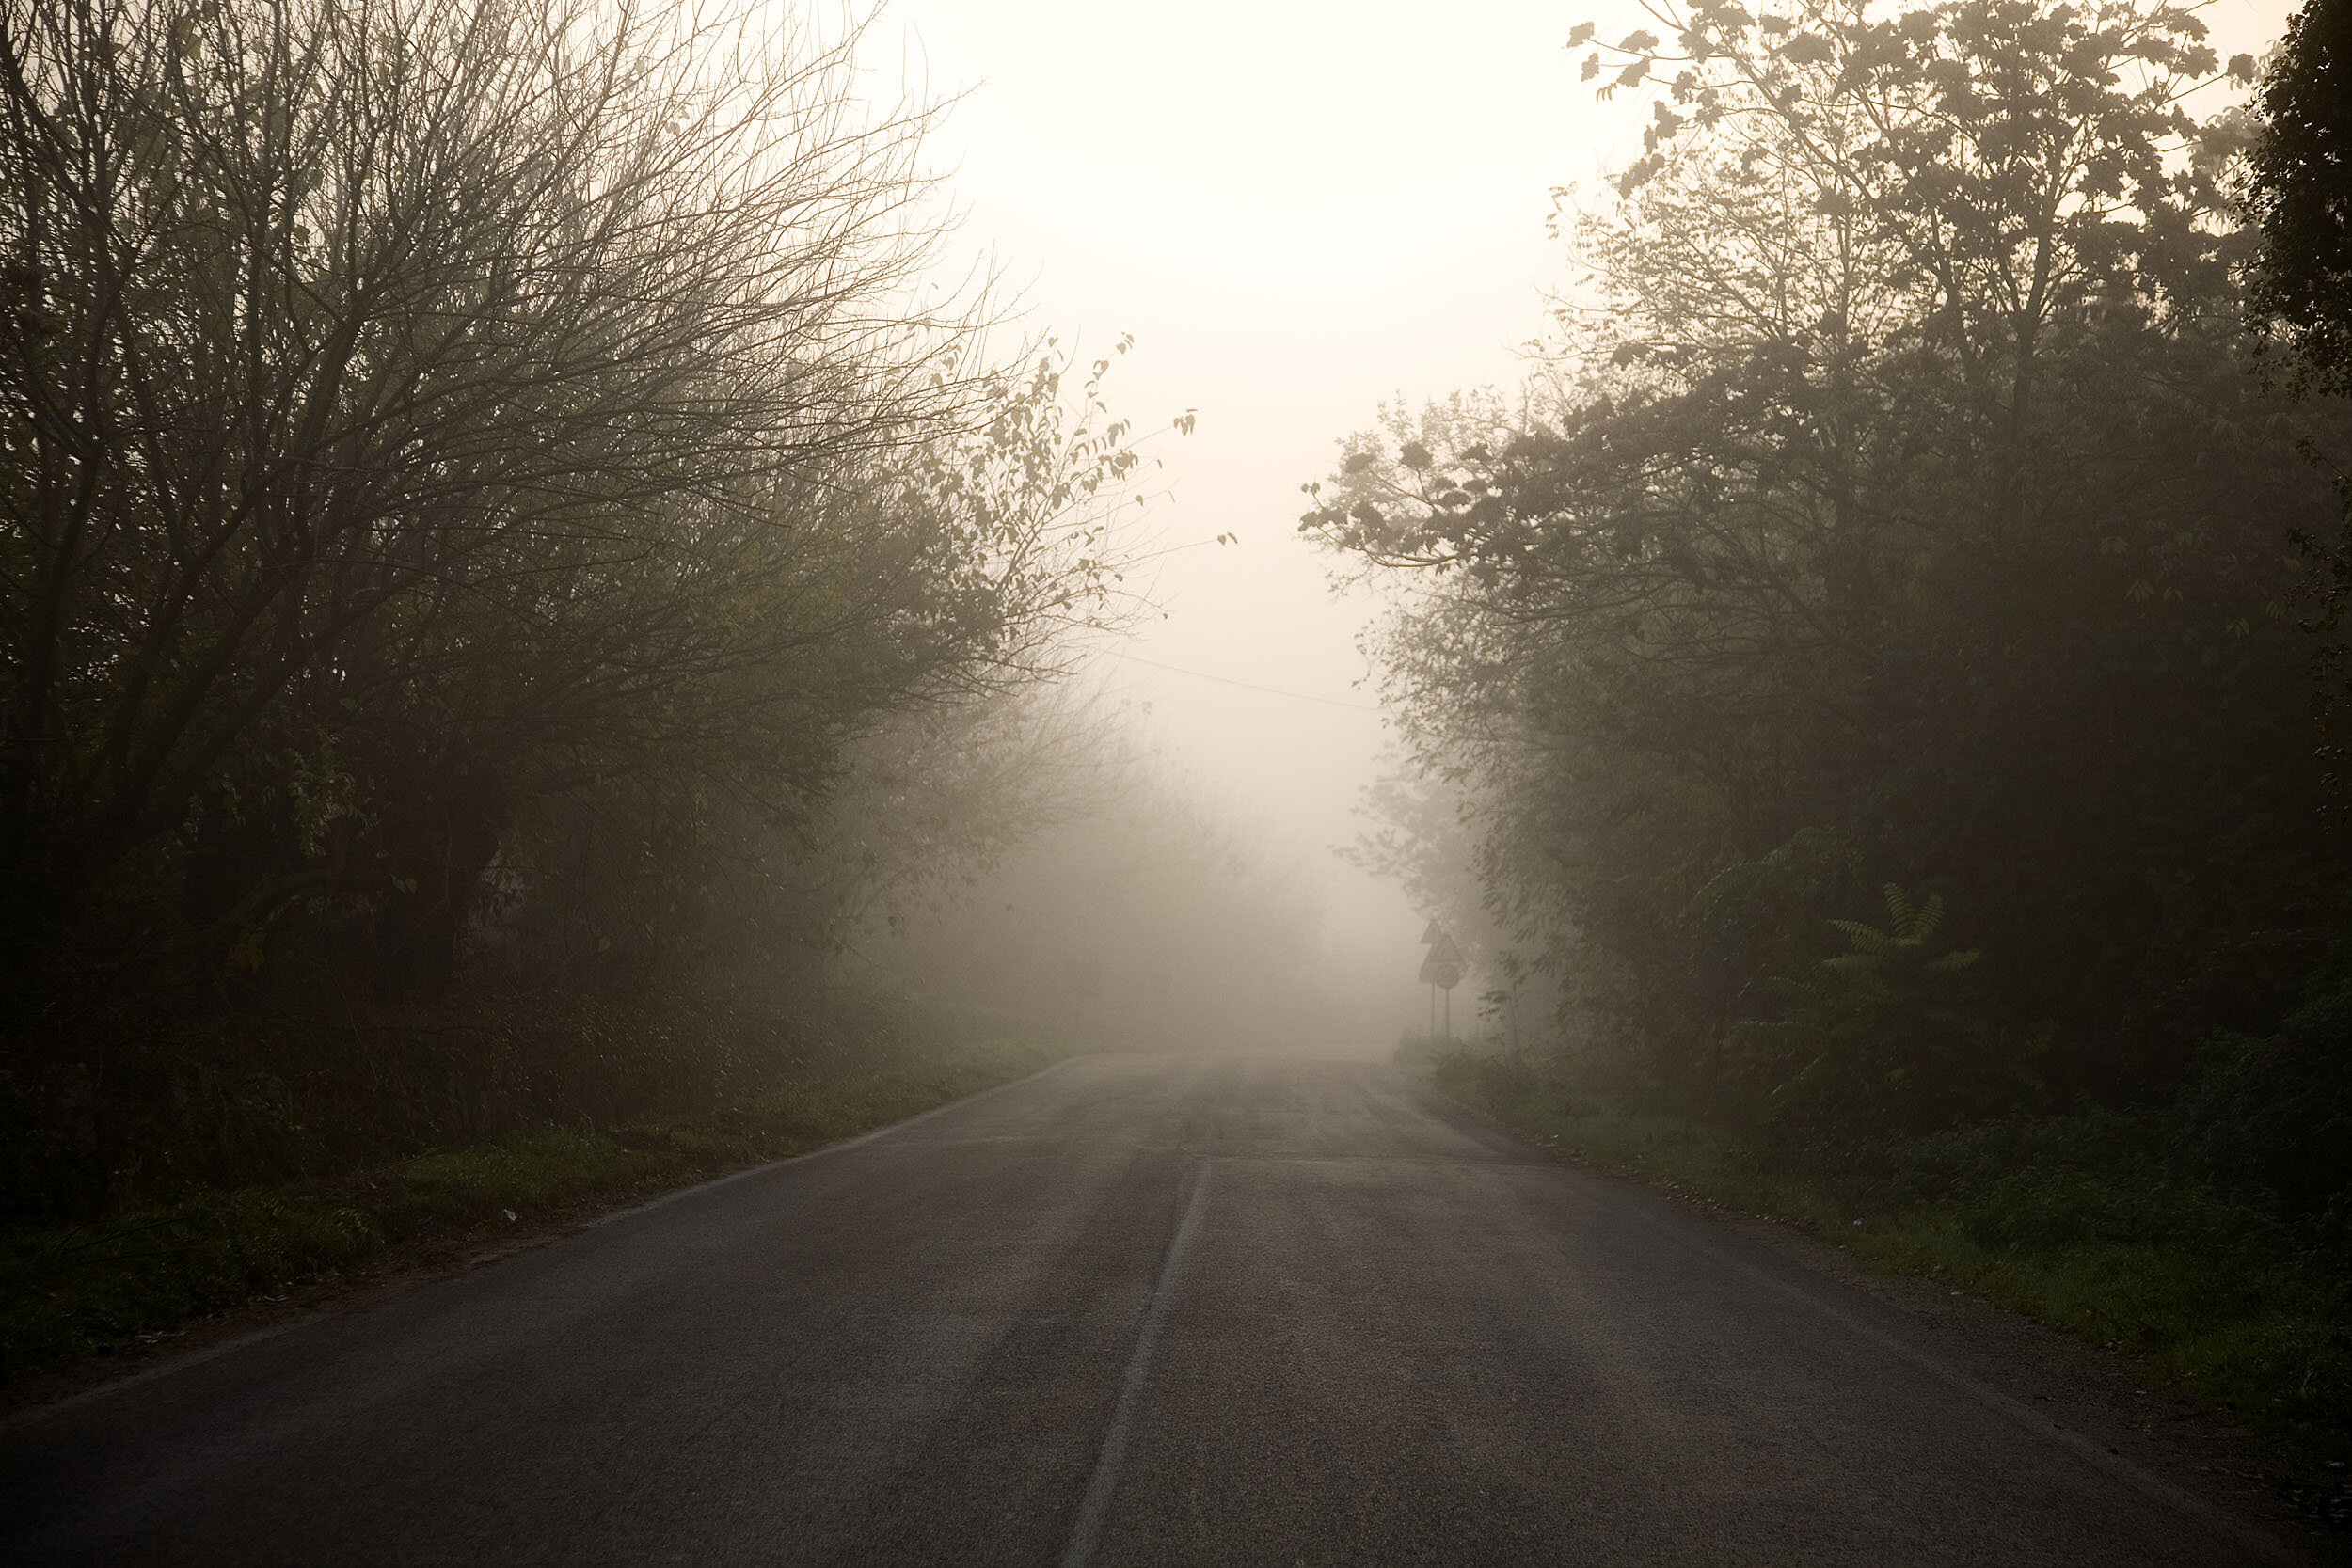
(1140,1310)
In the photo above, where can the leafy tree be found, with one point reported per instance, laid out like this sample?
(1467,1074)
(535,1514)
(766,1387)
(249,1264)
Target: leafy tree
(2299,193)
(1895,505)
(2296,188)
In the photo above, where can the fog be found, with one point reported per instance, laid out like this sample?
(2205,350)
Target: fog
(1300,212)
(929,627)
(1297,212)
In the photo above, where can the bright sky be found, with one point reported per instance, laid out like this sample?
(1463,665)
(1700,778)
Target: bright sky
(1299,207)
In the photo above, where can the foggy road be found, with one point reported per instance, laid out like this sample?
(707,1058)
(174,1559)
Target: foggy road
(1169,1309)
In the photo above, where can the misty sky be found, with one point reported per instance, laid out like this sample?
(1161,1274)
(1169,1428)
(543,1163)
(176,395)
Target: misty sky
(1299,207)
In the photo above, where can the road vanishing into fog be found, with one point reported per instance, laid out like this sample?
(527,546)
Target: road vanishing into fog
(1185,1309)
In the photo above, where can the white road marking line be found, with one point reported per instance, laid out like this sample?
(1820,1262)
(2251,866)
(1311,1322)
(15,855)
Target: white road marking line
(1094,1512)
(840,1146)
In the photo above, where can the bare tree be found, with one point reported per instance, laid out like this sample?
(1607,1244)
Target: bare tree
(397,388)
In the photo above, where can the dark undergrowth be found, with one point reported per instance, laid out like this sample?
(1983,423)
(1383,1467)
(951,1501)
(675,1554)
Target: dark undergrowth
(2082,1222)
(166,1256)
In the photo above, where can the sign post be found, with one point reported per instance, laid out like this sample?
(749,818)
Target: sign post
(1441,971)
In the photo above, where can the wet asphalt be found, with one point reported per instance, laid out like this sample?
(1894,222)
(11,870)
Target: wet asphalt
(1185,1309)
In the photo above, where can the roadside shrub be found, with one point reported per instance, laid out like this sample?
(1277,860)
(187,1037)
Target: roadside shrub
(2272,1117)
(1885,1039)
(153,1108)
(1504,1080)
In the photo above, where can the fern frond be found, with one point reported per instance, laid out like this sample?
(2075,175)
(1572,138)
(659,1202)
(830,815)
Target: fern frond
(1866,938)
(1927,917)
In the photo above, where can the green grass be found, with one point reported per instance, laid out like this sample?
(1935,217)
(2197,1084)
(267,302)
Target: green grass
(71,1294)
(2060,1221)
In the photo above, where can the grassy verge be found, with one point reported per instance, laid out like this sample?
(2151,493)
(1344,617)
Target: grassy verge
(69,1294)
(2070,1221)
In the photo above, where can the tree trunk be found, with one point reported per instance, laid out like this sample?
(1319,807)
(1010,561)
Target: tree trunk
(441,853)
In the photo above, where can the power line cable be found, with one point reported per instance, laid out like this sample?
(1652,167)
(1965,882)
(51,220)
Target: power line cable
(1246,686)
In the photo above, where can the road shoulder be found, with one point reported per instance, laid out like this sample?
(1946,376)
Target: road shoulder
(2261,1478)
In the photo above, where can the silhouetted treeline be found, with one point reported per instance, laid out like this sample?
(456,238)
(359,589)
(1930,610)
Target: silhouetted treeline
(1873,652)
(473,475)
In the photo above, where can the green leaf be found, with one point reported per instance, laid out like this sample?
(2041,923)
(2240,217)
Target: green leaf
(1808,49)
